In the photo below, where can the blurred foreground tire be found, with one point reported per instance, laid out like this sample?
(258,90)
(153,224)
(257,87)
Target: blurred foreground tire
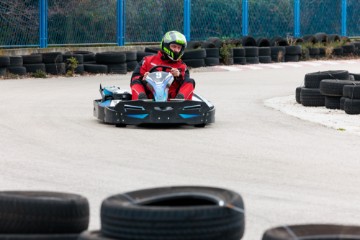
(39,236)
(176,213)
(313,232)
(33,212)
(92,235)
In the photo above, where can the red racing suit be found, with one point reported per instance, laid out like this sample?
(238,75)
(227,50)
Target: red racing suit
(182,84)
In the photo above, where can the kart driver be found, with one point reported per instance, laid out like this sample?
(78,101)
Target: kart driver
(172,47)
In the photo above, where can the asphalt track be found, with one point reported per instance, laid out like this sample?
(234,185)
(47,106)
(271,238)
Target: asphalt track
(289,171)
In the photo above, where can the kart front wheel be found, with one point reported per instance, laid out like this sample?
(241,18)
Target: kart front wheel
(201,125)
(121,125)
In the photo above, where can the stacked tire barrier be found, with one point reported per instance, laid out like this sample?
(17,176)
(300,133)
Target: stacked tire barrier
(209,52)
(42,215)
(350,100)
(337,89)
(195,57)
(181,213)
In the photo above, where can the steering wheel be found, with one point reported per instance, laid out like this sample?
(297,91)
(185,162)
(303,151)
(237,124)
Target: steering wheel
(154,68)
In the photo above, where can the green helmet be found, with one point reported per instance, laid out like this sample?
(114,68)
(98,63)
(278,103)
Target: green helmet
(173,37)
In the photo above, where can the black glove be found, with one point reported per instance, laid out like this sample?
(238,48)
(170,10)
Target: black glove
(180,96)
(142,96)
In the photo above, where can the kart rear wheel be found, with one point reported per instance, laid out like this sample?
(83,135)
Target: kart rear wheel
(201,125)
(121,125)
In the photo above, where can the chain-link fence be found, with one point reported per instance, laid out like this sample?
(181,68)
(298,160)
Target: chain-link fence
(77,22)
(82,22)
(19,23)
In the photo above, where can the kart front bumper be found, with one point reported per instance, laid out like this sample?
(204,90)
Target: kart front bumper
(150,112)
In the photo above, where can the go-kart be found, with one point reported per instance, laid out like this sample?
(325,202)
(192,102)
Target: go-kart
(116,107)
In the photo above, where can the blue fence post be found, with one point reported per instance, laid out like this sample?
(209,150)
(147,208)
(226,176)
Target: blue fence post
(297,18)
(120,22)
(43,23)
(187,14)
(343,17)
(245,17)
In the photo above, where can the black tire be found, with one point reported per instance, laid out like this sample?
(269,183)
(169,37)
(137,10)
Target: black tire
(312,80)
(17,70)
(292,58)
(334,38)
(239,52)
(32,68)
(212,52)
(348,49)
(120,68)
(95,68)
(39,236)
(299,41)
(248,41)
(130,56)
(110,57)
(338,51)
(351,91)
(240,60)
(332,102)
(312,232)
(55,68)
(206,44)
(352,106)
(356,76)
(4,61)
(33,58)
(176,213)
(93,235)
(311,97)
(193,45)
(263,42)
(52,57)
(131,65)
(314,51)
(264,59)
(216,41)
(297,94)
(35,212)
(251,51)
(279,41)
(278,53)
(87,55)
(321,38)
(152,49)
(333,87)
(310,39)
(195,63)
(342,102)
(2,71)
(194,54)
(264,51)
(16,61)
(79,69)
(322,52)
(212,61)
(252,60)
(293,50)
